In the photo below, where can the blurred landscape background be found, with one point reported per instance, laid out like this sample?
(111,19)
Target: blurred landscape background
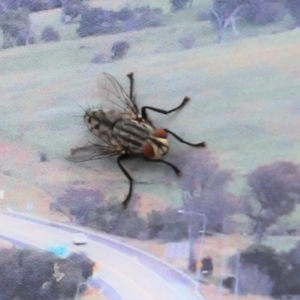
(238,61)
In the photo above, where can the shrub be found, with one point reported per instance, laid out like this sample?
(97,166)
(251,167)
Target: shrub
(72,8)
(96,21)
(178,4)
(37,5)
(229,282)
(49,34)
(294,9)
(262,12)
(188,42)
(148,17)
(77,203)
(21,40)
(125,14)
(43,157)
(91,20)
(96,59)
(113,219)
(167,225)
(119,49)
(143,17)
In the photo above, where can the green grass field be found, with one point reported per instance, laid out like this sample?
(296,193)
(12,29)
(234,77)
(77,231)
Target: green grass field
(245,102)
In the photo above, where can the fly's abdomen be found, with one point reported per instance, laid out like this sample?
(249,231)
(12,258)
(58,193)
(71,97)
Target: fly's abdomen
(132,134)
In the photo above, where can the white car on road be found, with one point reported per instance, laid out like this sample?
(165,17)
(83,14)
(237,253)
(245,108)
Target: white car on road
(79,239)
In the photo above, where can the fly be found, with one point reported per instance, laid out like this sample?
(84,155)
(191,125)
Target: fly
(125,131)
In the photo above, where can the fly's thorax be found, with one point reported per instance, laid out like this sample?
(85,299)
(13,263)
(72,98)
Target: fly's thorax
(157,145)
(132,134)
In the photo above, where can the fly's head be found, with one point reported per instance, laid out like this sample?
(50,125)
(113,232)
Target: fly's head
(157,145)
(91,119)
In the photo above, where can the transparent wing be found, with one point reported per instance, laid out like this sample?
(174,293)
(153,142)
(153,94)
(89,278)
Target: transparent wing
(114,97)
(92,151)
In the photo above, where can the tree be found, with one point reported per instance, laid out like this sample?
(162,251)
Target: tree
(33,274)
(71,8)
(15,24)
(67,277)
(226,13)
(204,188)
(95,21)
(84,263)
(155,223)
(294,8)
(292,285)
(205,199)
(36,268)
(10,275)
(179,4)
(31,5)
(260,270)
(274,190)
(174,226)
(253,281)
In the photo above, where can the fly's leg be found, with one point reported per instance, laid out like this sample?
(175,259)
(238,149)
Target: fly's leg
(130,76)
(202,144)
(162,111)
(176,170)
(127,199)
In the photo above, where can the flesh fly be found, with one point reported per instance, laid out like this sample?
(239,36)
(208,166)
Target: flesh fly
(125,131)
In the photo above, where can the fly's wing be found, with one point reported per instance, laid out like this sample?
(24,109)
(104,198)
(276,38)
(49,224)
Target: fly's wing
(115,98)
(93,151)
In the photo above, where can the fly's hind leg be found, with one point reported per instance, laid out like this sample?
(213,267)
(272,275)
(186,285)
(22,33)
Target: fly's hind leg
(162,111)
(176,170)
(120,158)
(202,144)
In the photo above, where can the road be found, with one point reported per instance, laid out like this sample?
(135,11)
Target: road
(133,274)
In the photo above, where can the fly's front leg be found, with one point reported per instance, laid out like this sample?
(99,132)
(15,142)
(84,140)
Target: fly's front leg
(162,111)
(176,170)
(120,158)
(130,76)
(202,144)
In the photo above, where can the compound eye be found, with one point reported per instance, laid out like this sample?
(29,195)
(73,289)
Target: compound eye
(160,133)
(148,150)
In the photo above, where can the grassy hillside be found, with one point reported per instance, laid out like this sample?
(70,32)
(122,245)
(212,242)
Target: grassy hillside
(245,105)
(244,99)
